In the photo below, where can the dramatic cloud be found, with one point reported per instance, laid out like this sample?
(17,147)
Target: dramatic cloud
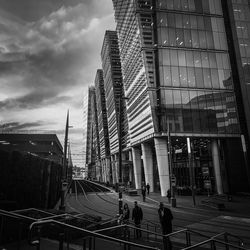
(49,54)
(20,126)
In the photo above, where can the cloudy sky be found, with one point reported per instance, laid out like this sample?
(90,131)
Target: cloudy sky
(49,54)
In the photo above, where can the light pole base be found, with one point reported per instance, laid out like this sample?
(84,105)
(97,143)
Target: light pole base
(62,208)
(173,202)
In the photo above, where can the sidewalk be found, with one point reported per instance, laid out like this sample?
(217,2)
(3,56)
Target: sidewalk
(239,206)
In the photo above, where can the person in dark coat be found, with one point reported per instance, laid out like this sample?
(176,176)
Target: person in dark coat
(143,192)
(165,217)
(148,188)
(169,196)
(137,216)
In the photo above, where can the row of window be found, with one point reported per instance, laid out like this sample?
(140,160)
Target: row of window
(200,6)
(199,111)
(241,11)
(242,20)
(192,38)
(189,58)
(191,22)
(243,29)
(195,77)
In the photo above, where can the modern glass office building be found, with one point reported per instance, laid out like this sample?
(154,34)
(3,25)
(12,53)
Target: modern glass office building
(103,161)
(178,74)
(92,142)
(115,103)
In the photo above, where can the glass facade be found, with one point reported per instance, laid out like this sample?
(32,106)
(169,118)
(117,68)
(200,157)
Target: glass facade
(196,83)
(241,9)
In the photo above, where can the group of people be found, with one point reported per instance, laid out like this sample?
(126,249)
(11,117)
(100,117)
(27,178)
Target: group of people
(165,218)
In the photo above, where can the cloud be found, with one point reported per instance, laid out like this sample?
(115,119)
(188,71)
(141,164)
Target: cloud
(13,126)
(53,55)
(49,54)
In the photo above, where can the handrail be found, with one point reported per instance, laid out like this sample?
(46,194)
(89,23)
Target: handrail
(231,235)
(30,209)
(151,232)
(9,215)
(213,241)
(109,228)
(20,216)
(151,222)
(187,230)
(94,234)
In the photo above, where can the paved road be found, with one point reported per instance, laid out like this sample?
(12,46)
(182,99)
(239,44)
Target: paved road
(235,219)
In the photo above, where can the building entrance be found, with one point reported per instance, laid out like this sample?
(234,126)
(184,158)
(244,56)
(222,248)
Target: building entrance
(195,168)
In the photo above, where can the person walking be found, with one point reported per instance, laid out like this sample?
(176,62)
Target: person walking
(125,220)
(148,188)
(125,213)
(165,217)
(143,192)
(137,216)
(169,196)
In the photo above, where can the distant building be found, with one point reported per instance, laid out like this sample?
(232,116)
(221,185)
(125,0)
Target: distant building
(103,162)
(92,142)
(46,146)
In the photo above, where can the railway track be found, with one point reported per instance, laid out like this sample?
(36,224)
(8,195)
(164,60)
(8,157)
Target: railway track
(89,194)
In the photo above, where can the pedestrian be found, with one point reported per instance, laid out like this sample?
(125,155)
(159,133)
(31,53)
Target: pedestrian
(137,216)
(165,217)
(169,196)
(143,192)
(148,188)
(125,214)
(125,220)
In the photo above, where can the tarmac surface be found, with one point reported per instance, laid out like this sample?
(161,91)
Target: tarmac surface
(208,221)
(234,219)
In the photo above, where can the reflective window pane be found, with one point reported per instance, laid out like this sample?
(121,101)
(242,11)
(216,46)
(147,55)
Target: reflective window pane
(175,76)
(191,77)
(189,58)
(181,58)
(167,76)
(166,57)
(183,76)
(199,78)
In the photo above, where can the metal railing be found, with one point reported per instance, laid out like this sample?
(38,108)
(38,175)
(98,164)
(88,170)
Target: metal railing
(213,244)
(226,236)
(123,230)
(89,235)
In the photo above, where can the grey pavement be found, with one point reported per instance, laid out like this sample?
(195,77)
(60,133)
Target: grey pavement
(235,219)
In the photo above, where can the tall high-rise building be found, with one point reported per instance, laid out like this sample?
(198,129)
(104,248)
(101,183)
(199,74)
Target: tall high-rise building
(103,133)
(238,29)
(115,103)
(92,142)
(181,83)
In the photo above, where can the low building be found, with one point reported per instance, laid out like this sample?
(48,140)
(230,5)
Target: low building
(46,146)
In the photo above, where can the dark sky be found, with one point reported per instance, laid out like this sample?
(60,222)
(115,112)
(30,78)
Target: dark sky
(49,54)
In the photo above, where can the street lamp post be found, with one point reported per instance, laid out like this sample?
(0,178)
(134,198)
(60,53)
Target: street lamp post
(120,153)
(191,170)
(173,199)
(64,174)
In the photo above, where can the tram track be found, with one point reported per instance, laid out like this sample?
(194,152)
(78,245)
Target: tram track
(86,187)
(152,211)
(91,205)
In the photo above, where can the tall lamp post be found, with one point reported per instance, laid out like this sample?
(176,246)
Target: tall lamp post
(191,169)
(120,153)
(172,177)
(120,150)
(64,175)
